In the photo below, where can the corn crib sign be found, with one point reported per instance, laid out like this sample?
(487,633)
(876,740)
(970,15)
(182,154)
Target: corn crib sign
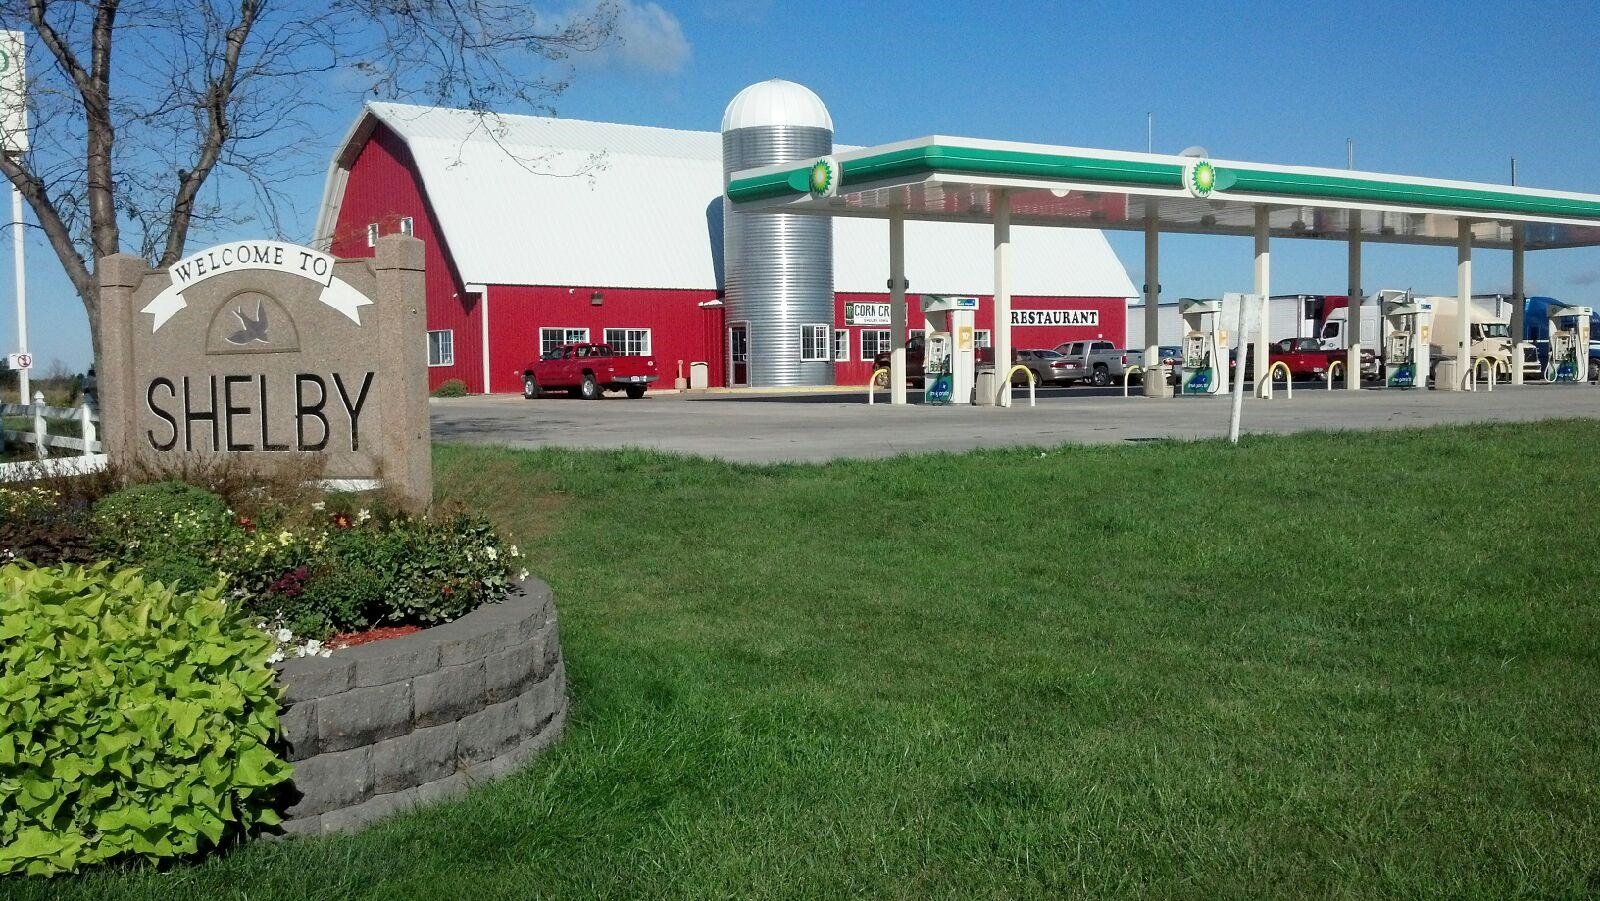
(271,352)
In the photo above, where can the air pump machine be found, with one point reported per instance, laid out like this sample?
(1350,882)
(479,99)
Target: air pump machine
(1405,347)
(949,358)
(1205,347)
(1569,343)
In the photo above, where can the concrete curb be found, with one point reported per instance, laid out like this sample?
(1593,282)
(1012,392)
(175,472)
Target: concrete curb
(389,725)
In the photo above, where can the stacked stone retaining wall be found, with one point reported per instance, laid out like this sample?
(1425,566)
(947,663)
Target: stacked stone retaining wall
(388,725)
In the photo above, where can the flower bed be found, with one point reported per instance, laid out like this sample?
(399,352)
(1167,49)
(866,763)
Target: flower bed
(306,567)
(448,665)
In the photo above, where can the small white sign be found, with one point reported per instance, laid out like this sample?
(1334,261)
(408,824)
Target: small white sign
(19,361)
(866,314)
(1055,317)
(13,93)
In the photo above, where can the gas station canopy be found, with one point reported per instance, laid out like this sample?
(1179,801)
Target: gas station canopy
(955,179)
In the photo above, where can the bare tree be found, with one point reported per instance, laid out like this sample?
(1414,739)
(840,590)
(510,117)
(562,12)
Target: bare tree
(140,103)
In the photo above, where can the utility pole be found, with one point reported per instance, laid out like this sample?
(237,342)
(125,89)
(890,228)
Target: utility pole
(14,141)
(1513,171)
(1149,132)
(1349,153)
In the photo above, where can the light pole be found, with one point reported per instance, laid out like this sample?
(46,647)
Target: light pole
(13,142)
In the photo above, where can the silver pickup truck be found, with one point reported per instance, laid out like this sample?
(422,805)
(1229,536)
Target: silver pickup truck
(1096,362)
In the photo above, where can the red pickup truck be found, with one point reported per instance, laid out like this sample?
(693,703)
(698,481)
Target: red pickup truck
(1308,358)
(588,370)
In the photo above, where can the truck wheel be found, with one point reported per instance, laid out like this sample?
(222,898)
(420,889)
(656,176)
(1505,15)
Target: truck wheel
(635,391)
(590,389)
(530,387)
(880,378)
(1102,376)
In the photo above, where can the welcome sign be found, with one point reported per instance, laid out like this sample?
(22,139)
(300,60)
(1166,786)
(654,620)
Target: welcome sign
(270,352)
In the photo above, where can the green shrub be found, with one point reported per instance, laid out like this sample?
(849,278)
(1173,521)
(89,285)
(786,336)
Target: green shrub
(139,721)
(451,388)
(171,529)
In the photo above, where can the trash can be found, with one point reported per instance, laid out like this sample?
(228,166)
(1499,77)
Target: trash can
(985,387)
(1156,383)
(1445,377)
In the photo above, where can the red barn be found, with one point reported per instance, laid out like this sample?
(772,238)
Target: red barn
(543,231)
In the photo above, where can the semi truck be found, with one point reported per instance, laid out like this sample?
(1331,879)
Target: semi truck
(1490,332)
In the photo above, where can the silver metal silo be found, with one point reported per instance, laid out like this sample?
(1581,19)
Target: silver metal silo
(778,268)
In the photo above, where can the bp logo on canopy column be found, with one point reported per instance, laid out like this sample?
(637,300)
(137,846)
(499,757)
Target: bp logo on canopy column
(1199,178)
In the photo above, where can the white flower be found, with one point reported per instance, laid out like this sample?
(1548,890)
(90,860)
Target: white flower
(523,576)
(493,554)
(326,652)
(275,657)
(311,647)
(515,552)
(319,506)
(363,515)
(283,635)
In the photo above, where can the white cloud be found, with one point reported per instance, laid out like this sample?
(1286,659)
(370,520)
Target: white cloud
(648,38)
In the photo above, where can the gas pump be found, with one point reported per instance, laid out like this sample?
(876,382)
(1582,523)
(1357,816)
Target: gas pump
(1405,347)
(949,357)
(1204,347)
(1569,343)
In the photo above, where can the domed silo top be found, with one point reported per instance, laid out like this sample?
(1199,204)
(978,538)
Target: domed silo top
(776,102)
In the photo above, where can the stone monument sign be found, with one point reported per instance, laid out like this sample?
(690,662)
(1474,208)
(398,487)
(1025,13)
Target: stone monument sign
(270,352)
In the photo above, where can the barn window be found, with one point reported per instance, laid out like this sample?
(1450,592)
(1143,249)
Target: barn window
(630,342)
(372,234)
(874,341)
(980,338)
(841,345)
(405,225)
(442,348)
(552,338)
(914,334)
(814,343)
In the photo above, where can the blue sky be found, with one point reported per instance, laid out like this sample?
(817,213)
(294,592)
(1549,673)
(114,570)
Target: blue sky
(1448,90)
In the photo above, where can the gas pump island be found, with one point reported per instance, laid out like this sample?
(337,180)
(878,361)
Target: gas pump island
(949,357)
(1569,343)
(1405,352)
(1204,347)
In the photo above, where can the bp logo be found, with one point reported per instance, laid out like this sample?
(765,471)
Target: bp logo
(825,177)
(1199,178)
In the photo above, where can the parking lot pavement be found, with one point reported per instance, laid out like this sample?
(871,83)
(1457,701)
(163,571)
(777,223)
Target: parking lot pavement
(771,427)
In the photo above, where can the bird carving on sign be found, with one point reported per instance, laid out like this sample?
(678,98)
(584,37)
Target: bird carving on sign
(250,330)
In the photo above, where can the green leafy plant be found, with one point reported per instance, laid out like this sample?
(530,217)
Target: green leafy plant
(451,388)
(139,721)
(171,529)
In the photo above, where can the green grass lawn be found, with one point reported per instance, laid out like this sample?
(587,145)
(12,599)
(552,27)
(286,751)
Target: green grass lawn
(1345,664)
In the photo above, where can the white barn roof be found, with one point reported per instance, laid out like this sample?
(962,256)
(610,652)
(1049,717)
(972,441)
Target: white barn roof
(527,200)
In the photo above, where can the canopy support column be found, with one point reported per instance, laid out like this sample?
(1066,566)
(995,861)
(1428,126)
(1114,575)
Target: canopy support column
(1153,387)
(1263,371)
(897,306)
(1462,339)
(1352,362)
(1002,298)
(1519,301)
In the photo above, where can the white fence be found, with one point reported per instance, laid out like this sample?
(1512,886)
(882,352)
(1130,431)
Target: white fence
(90,454)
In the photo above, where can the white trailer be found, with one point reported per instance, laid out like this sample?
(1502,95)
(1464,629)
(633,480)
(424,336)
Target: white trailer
(1287,320)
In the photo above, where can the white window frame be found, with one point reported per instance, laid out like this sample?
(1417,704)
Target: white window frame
(372,234)
(407,227)
(567,333)
(819,335)
(916,333)
(622,347)
(450,342)
(876,349)
(982,338)
(841,345)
